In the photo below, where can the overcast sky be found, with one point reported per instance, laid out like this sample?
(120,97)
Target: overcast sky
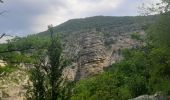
(32,16)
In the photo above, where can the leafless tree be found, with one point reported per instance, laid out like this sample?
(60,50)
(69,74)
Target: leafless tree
(1,1)
(2,35)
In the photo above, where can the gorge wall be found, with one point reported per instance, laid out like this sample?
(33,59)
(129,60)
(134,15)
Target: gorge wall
(92,56)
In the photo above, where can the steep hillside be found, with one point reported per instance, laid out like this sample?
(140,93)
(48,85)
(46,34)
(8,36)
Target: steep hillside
(94,43)
(90,44)
(103,23)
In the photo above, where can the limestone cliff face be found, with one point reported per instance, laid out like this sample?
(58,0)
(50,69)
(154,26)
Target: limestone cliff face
(13,85)
(92,56)
(156,96)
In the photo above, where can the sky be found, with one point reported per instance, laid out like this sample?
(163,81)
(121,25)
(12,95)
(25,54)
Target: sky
(23,17)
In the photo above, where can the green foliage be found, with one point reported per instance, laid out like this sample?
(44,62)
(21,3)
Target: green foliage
(145,70)
(106,24)
(56,68)
(23,50)
(46,78)
(136,36)
(37,78)
(159,32)
(141,72)
(7,69)
(103,87)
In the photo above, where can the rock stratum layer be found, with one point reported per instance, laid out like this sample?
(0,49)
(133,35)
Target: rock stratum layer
(13,86)
(92,56)
(156,96)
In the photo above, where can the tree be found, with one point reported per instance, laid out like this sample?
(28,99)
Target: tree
(162,7)
(158,33)
(47,78)
(38,78)
(56,68)
(2,35)
(2,11)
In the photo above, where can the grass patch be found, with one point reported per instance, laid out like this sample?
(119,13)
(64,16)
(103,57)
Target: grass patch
(8,69)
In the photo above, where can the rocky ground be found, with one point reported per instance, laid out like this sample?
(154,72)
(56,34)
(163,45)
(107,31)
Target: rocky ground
(91,54)
(156,96)
(13,85)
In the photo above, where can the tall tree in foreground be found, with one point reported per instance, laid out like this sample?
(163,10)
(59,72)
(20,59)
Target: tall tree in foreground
(37,78)
(47,77)
(56,66)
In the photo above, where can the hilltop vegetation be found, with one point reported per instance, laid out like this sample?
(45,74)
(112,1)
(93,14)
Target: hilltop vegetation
(106,25)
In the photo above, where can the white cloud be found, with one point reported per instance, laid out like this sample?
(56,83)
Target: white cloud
(73,9)
(33,16)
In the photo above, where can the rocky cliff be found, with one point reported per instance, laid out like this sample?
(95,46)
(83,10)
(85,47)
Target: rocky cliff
(92,56)
(13,86)
(156,96)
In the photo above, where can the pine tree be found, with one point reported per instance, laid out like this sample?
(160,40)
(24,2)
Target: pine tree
(56,68)
(47,79)
(38,78)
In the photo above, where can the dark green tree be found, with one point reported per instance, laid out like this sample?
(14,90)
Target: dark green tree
(46,78)
(38,78)
(56,67)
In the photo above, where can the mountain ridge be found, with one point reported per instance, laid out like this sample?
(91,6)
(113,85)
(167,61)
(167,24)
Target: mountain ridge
(99,23)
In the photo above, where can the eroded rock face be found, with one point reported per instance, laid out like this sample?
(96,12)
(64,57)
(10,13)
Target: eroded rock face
(157,96)
(2,63)
(70,72)
(91,57)
(13,86)
(91,54)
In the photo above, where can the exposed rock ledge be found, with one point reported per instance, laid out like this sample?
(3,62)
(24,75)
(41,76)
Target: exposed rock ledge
(156,96)
(13,85)
(91,57)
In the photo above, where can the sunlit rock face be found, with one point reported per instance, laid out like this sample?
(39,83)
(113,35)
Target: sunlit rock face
(2,63)
(13,86)
(91,57)
(5,39)
(156,96)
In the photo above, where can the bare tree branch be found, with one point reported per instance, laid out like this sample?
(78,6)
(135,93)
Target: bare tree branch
(14,50)
(1,36)
(3,12)
(1,1)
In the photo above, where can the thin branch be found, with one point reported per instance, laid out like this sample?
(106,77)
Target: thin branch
(1,36)
(1,1)
(3,12)
(25,49)
(14,50)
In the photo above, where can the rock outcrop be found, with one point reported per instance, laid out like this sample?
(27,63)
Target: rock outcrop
(2,63)
(91,57)
(69,72)
(90,54)
(13,85)
(157,96)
